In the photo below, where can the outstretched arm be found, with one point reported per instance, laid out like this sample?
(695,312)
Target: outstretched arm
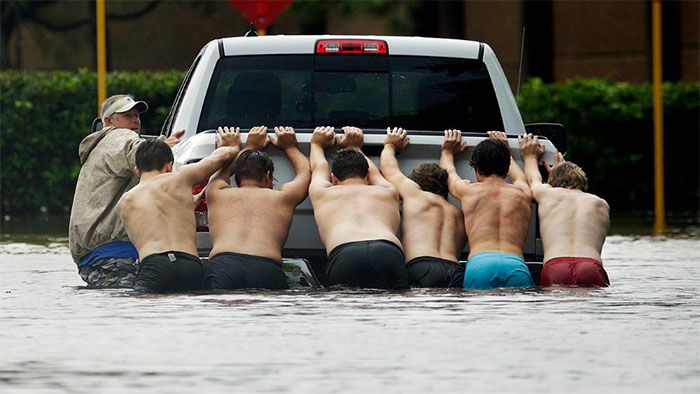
(531,151)
(395,141)
(322,138)
(515,173)
(298,187)
(195,173)
(174,139)
(451,145)
(227,137)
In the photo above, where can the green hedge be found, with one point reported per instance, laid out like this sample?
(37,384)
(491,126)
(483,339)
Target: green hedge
(44,116)
(611,135)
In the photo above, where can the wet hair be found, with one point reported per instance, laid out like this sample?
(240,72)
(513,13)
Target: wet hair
(568,175)
(153,154)
(253,164)
(349,163)
(491,158)
(431,178)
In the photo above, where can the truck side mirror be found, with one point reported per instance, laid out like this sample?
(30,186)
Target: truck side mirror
(553,131)
(96,125)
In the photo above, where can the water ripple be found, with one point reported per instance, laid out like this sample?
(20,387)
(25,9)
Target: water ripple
(639,335)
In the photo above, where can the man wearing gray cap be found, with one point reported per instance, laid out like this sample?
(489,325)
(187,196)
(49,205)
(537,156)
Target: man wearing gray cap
(97,238)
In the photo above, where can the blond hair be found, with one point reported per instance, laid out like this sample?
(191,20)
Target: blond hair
(568,175)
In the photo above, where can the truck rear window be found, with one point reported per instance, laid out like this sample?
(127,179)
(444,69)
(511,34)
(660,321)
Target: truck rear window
(305,91)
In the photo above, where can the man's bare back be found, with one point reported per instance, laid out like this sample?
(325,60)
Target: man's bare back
(496,214)
(357,214)
(573,223)
(430,224)
(253,219)
(348,213)
(352,210)
(158,213)
(159,216)
(239,223)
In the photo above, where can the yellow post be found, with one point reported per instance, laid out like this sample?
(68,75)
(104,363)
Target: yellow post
(262,32)
(659,209)
(101,55)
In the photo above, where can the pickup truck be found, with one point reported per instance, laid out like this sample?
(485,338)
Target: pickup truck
(425,85)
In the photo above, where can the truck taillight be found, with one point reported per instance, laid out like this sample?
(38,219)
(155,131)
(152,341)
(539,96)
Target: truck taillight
(200,211)
(351,46)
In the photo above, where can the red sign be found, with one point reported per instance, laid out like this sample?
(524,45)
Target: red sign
(261,13)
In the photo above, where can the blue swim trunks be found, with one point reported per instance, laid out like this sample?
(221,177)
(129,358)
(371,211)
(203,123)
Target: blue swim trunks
(491,270)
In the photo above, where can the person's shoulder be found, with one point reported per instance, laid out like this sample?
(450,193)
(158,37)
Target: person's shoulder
(545,193)
(596,200)
(420,197)
(176,179)
(119,132)
(514,188)
(433,198)
(543,189)
(466,186)
(386,189)
(128,196)
(118,139)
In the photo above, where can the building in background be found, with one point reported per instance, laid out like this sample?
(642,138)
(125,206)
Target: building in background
(563,39)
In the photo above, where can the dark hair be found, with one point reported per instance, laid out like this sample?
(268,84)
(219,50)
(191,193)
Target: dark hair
(491,158)
(153,154)
(349,163)
(568,175)
(431,178)
(253,164)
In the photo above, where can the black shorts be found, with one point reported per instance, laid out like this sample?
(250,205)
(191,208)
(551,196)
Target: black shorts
(428,271)
(377,264)
(169,272)
(230,270)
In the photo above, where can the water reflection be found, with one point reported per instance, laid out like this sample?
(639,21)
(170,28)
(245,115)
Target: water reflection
(639,335)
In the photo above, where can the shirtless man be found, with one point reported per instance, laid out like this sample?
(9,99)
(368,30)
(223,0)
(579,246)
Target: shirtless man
(496,214)
(573,223)
(357,214)
(250,224)
(159,214)
(432,229)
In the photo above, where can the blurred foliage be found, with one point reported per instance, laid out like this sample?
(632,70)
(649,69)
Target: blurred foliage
(45,115)
(56,16)
(610,134)
(313,16)
(43,118)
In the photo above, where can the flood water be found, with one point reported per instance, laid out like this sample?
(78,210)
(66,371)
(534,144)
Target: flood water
(642,334)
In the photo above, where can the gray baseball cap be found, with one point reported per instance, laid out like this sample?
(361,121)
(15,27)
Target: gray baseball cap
(125,104)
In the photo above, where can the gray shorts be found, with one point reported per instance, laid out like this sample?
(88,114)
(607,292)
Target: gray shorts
(110,272)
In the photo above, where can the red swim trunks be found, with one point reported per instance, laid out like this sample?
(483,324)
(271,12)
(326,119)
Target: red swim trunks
(574,271)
